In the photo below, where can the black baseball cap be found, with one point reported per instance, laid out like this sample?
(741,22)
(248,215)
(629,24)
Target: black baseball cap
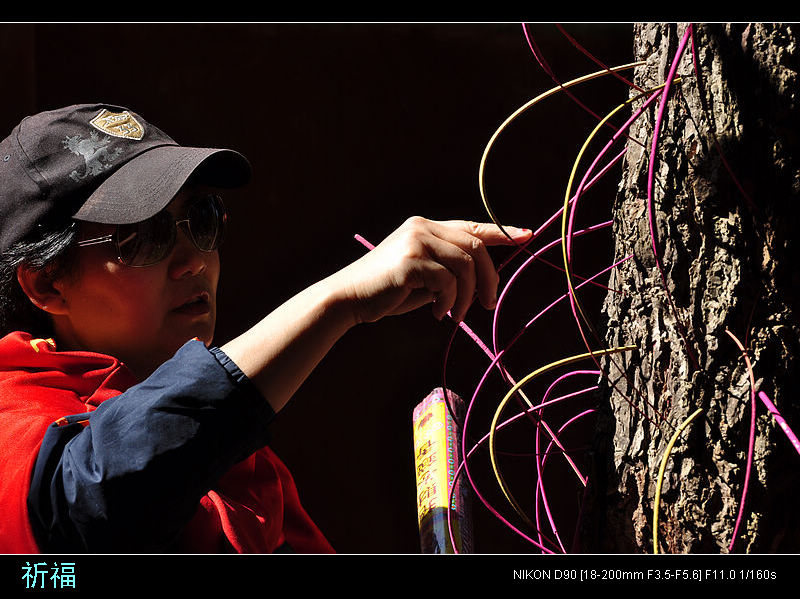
(99,163)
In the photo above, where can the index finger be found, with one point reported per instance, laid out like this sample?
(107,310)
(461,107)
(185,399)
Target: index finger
(490,233)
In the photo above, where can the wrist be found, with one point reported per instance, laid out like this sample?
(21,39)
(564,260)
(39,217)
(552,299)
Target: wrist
(337,301)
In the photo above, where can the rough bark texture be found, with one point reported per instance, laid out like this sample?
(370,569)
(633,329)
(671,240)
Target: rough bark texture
(730,264)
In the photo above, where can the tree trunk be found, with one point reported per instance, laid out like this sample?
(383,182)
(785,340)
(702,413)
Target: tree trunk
(727,240)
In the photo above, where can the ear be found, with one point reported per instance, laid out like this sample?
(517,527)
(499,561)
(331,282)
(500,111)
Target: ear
(41,289)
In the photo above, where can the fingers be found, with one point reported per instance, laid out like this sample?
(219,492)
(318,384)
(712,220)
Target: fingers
(446,291)
(461,248)
(489,233)
(473,268)
(452,275)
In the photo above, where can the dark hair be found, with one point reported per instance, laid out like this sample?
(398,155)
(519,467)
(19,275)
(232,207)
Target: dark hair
(46,248)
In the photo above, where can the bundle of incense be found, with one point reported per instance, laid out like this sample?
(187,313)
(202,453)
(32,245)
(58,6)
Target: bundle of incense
(437,455)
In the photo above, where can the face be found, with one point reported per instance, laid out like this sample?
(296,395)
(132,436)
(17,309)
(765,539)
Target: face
(141,315)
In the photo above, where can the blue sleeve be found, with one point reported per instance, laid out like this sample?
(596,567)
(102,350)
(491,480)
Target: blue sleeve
(130,479)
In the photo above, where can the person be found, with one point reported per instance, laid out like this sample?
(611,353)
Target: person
(123,427)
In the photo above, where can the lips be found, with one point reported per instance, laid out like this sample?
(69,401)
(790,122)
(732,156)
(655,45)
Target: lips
(197,305)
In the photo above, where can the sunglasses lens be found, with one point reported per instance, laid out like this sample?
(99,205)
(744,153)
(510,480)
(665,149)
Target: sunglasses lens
(146,242)
(150,241)
(207,222)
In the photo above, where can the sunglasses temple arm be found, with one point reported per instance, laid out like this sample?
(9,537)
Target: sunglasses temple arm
(96,240)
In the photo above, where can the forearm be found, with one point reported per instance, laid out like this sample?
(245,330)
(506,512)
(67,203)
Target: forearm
(280,351)
(421,262)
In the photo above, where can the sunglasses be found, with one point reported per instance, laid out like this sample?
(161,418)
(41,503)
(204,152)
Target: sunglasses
(152,240)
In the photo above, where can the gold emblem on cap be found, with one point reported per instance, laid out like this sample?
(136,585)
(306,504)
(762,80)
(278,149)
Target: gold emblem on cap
(118,124)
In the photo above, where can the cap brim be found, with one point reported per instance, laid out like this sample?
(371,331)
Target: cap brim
(147,183)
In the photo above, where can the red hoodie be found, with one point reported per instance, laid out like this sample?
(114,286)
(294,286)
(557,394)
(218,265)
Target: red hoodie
(253,508)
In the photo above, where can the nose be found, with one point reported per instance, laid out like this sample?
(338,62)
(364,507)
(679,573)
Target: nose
(187,259)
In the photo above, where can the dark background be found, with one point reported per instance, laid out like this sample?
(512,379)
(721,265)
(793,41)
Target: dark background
(351,128)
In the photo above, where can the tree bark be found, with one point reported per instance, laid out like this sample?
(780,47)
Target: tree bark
(727,239)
